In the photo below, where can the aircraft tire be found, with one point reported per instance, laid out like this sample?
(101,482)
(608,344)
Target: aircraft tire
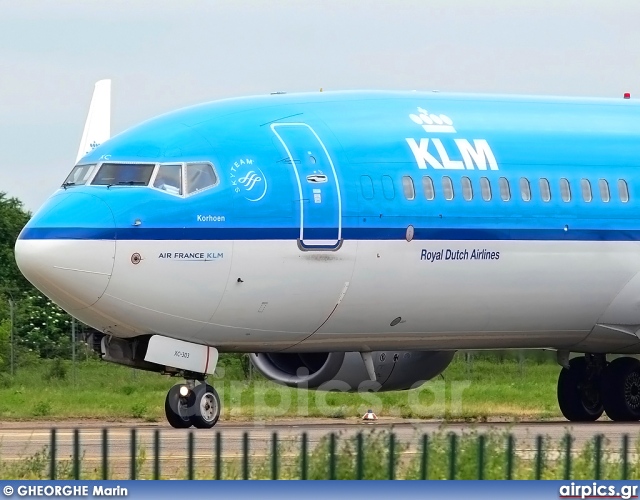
(205,409)
(577,400)
(176,409)
(621,396)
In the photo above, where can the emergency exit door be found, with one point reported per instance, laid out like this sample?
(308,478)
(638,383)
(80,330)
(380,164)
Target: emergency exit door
(318,199)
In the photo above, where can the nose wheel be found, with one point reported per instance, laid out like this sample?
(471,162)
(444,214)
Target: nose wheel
(189,405)
(176,408)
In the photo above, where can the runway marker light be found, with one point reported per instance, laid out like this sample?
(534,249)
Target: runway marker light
(627,95)
(184,391)
(369,416)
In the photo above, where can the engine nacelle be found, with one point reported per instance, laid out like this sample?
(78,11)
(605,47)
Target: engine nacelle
(346,371)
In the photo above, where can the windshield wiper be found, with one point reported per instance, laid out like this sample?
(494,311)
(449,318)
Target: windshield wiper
(132,183)
(67,184)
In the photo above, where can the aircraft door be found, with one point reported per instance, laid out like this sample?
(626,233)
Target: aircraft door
(318,200)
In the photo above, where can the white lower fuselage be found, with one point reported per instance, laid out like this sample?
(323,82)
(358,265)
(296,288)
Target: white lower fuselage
(255,296)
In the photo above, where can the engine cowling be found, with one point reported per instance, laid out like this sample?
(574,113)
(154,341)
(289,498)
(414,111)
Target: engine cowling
(346,371)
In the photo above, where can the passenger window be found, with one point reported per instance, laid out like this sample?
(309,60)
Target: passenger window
(565,190)
(545,190)
(467,189)
(201,176)
(505,191)
(169,179)
(604,190)
(585,185)
(408,188)
(366,184)
(485,187)
(525,189)
(79,175)
(447,188)
(123,174)
(623,190)
(387,187)
(427,187)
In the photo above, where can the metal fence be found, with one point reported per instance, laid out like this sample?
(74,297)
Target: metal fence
(564,456)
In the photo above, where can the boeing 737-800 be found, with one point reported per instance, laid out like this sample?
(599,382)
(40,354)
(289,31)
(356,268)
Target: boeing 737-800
(355,241)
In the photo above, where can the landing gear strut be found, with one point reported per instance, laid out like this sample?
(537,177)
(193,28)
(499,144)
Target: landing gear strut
(591,386)
(189,405)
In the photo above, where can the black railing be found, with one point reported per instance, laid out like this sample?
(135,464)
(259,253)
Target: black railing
(356,456)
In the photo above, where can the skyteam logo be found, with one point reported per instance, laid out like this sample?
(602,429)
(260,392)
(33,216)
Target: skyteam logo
(431,151)
(249,180)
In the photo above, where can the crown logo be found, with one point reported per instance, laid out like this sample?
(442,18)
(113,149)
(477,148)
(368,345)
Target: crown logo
(94,145)
(433,122)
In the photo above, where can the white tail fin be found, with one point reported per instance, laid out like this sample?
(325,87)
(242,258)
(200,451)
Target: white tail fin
(97,128)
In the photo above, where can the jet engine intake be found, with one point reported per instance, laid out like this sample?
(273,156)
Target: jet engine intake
(346,371)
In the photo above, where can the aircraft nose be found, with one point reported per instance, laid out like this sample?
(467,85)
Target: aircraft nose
(67,249)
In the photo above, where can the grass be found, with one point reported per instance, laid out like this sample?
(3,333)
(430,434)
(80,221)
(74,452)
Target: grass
(479,390)
(376,461)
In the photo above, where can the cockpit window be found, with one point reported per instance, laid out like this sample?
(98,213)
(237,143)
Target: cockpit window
(123,174)
(200,176)
(79,175)
(169,179)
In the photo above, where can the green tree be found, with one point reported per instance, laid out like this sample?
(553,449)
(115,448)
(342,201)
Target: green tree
(13,217)
(43,327)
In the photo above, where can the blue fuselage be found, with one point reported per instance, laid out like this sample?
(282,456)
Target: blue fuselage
(423,220)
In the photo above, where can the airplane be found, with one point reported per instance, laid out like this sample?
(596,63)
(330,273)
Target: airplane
(354,241)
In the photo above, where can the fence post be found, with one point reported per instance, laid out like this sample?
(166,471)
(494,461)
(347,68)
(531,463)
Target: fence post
(76,454)
(156,454)
(332,456)
(597,449)
(481,456)
(567,456)
(539,457)
(392,455)
(12,320)
(510,451)
(133,454)
(52,454)
(73,349)
(303,457)
(625,456)
(190,466)
(424,463)
(245,456)
(105,454)
(274,456)
(218,456)
(452,455)
(359,456)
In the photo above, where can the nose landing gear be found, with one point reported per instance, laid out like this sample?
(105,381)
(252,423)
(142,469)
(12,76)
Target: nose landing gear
(194,405)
